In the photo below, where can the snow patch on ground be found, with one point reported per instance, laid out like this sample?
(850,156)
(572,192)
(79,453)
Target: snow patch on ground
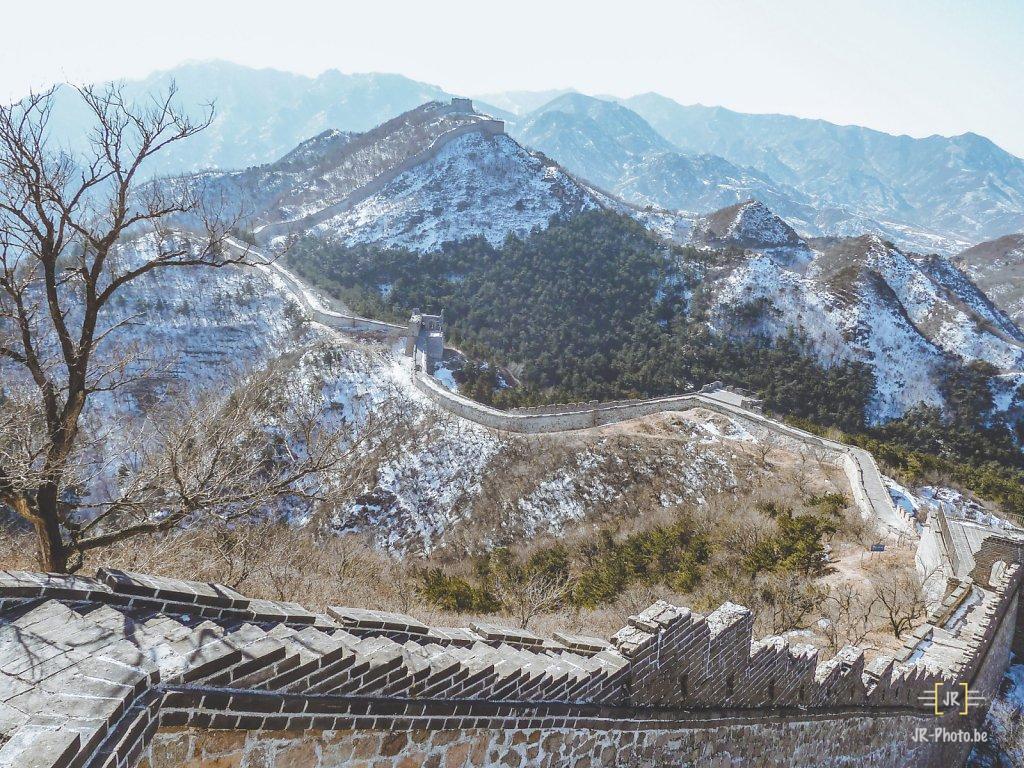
(444,375)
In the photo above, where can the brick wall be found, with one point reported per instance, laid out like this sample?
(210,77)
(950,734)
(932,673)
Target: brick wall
(129,669)
(852,740)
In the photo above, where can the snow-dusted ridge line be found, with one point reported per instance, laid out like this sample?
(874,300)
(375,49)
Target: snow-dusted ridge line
(267,232)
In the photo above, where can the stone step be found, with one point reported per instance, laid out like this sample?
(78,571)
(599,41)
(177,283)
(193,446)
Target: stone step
(41,745)
(377,657)
(26,585)
(56,639)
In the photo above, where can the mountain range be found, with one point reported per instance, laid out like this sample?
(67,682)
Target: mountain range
(442,172)
(963,186)
(797,258)
(936,194)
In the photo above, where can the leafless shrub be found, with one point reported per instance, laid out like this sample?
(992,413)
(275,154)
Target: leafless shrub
(848,616)
(784,602)
(525,595)
(899,594)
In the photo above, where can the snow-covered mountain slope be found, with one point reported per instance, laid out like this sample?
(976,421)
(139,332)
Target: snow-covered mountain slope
(860,299)
(194,333)
(326,169)
(997,267)
(749,224)
(477,185)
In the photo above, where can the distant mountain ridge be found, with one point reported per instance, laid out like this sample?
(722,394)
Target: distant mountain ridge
(964,186)
(936,194)
(260,113)
(617,148)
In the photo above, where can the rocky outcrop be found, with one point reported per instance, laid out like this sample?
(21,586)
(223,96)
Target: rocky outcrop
(746,225)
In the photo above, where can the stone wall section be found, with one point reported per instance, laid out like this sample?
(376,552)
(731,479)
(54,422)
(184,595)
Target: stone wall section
(868,488)
(98,672)
(863,741)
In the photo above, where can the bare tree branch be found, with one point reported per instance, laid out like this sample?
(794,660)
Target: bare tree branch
(64,223)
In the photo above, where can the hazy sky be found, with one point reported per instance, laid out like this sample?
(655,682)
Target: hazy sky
(903,66)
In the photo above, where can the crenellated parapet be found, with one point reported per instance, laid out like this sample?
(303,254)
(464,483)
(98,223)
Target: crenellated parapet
(95,670)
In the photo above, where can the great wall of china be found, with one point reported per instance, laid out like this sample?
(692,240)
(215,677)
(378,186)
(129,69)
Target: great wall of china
(866,483)
(122,670)
(125,670)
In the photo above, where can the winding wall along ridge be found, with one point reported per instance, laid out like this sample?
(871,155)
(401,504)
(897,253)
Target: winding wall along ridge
(866,482)
(309,302)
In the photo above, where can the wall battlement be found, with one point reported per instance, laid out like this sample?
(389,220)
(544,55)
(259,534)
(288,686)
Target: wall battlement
(113,669)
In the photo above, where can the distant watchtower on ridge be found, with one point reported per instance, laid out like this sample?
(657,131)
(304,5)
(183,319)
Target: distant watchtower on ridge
(462,105)
(425,341)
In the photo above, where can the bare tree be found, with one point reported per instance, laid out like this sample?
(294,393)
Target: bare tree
(763,448)
(899,595)
(848,618)
(63,220)
(526,593)
(802,472)
(784,601)
(239,551)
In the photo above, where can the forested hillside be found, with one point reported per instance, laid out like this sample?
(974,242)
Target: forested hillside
(593,307)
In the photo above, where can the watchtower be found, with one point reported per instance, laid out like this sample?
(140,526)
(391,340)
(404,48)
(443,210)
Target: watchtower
(425,340)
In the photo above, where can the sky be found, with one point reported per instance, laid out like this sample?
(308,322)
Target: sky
(912,66)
